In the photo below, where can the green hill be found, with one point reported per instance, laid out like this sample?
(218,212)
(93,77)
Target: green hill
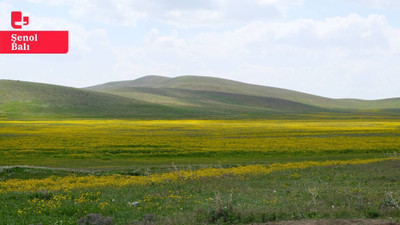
(26,100)
(157,97)
(199,83)
(214,101)
(147,81)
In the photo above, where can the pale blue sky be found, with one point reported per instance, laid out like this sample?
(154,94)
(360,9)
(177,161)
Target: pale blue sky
(333,48)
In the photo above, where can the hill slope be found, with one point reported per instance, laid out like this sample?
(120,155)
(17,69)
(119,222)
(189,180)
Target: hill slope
(199,83)
(35,100)
(157,97)
(147,81)
(25,100)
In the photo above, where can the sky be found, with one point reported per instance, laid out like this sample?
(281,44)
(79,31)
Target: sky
(331,48)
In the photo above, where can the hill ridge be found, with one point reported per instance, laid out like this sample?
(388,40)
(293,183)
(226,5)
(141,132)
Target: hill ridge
(159,97)
(192,82)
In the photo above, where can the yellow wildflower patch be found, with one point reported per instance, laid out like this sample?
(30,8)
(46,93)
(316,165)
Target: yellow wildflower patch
(55,183)
(62,143)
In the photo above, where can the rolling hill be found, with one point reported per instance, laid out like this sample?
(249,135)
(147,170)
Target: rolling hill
(218,85)
(157,97)
(26,100)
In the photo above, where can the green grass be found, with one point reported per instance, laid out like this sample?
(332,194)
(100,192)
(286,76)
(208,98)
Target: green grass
(140,148)
(357,191)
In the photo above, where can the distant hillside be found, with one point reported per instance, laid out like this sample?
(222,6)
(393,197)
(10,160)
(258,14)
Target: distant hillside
(157,97)
(147,81)
(215,101)
(212,84)
(25,100)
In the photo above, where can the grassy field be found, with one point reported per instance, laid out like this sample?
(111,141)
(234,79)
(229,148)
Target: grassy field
(347,191)
(198,171)
(125,143)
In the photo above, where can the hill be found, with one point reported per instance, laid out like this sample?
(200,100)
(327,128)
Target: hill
(147,81)
(157,97)
(214,85)
(26,100)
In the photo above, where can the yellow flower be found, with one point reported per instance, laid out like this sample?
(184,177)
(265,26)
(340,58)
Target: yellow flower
(55,183)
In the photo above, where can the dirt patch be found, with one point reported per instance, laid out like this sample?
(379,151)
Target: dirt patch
(336,222)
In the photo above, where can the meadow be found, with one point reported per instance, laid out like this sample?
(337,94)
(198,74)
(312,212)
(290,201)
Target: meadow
(198,171)
(123,143)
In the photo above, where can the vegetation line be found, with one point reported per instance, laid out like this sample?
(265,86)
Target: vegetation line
(55,183)
(42,167)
